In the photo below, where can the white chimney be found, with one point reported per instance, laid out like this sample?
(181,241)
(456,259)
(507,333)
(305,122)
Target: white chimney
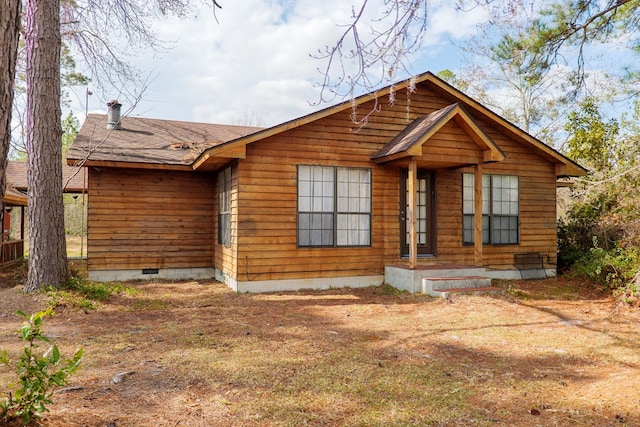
(113,115)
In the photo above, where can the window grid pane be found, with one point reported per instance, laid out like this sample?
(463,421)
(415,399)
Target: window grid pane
(422,231)
(421,219)
(500,205)
(315,189)
(224,207)
(315,229)
(504,191)
(486,194)
(505,229)
(468,194)
(354,230)
(468,231)
(354,190)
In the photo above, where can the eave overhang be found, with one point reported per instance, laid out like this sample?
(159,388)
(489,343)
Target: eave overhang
(13,197)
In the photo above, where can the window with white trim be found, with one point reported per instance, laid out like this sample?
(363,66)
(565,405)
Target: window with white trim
(334,206)
(224,207)
(500,209)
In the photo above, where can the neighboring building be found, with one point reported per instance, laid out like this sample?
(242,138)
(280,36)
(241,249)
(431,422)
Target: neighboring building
(74,183)
(12,247)
(432,179)
(73,178)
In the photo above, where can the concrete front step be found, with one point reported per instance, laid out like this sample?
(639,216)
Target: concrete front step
(439,286)
(439,273)
(444,293)
(411,279)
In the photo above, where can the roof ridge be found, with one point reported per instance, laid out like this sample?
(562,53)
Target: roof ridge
(179,121)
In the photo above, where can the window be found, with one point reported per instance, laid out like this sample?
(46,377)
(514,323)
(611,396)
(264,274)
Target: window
(500,209)
(334,206)
(224,207)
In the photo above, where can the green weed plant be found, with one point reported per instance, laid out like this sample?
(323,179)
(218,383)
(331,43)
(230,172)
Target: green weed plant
(37,375)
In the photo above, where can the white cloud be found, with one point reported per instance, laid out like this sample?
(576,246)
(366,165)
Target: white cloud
(257,61)
(446,19)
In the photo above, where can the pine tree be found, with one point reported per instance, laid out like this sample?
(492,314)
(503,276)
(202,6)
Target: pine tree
(9,35)
(47,250)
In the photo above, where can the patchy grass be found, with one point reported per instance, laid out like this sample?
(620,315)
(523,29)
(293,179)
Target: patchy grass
(548,352)
(565,288)
(387,289)
(83,294)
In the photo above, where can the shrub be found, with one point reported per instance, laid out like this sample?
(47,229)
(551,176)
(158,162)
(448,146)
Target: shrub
(614,268)
(630,294)
(37,374)
(584,222)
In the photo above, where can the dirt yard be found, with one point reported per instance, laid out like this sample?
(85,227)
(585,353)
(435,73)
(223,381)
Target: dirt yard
(546,353)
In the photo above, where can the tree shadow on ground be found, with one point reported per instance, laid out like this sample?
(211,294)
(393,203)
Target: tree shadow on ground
(200,354)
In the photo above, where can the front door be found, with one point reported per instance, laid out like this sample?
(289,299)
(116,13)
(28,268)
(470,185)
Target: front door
(425,210)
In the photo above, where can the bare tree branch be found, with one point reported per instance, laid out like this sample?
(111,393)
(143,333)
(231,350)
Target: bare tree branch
(371,51)
(88,25)
(81,162)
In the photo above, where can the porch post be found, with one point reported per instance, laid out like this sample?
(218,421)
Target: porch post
(477,217)
(22,223)
(411,213)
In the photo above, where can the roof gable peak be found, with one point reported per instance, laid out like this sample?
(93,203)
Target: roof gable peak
(409,141)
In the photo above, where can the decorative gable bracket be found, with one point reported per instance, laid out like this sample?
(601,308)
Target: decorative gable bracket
(412,140)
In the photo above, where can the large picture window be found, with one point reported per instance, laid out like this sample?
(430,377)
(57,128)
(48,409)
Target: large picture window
(500,209)
(224,207)
(334,206)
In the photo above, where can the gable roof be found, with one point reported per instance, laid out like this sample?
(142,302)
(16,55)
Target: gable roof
(72,177)
(150,143)
(564,165)
(409,142)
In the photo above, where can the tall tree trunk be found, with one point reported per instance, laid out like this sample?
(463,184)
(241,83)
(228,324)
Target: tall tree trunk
(9,36)
(47,247)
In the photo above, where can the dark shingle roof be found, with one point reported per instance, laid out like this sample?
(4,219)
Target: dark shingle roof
(150,141)
(72,177)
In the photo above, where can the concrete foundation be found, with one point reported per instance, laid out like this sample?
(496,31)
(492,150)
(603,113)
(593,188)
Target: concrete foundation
(162,273)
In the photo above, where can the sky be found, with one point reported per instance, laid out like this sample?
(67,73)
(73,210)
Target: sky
(253,66)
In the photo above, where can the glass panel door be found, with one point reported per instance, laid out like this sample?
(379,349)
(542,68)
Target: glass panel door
(425,213)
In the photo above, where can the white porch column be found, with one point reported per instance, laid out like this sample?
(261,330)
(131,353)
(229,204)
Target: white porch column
(411,213)
(477,216)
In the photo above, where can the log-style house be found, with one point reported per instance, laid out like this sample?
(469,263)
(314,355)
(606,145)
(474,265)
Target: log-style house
(391,186)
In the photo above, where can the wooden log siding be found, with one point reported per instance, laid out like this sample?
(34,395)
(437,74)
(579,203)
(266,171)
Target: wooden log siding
(267,228)
(150,219)
(267,203)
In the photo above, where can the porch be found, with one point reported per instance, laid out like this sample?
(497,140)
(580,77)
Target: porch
(11,251)
(439,280)
(427,145)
